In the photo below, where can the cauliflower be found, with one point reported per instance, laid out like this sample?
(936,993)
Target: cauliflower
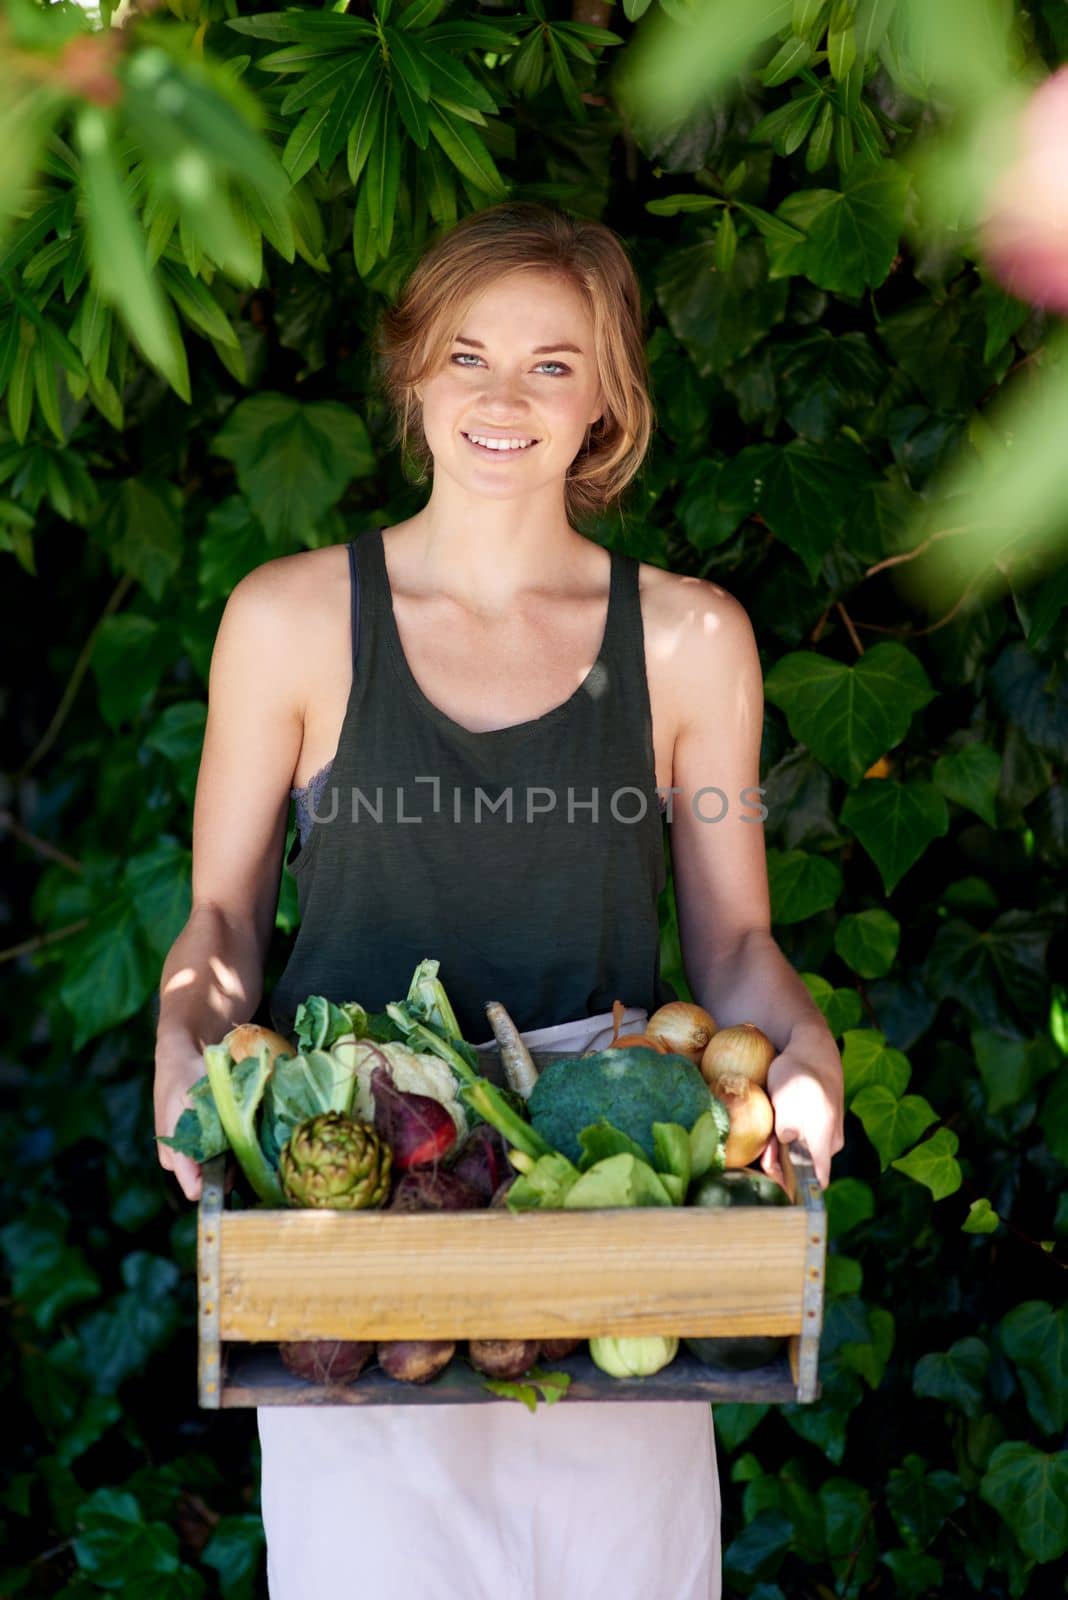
(411,1073)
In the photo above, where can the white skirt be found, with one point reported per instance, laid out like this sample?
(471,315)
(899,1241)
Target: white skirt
(470,1502)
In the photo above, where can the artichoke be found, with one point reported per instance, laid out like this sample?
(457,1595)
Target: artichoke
(335,1162)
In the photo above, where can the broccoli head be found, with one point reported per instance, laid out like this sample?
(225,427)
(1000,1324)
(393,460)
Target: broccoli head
(631,1089)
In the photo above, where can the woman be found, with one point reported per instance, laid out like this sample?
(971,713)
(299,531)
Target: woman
(479,709)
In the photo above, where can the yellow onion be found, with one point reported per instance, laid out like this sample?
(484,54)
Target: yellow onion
(751,1115)
(741,1050)
(682,1029)
(248,1039)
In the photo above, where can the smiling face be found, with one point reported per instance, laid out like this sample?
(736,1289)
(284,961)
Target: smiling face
(506,411)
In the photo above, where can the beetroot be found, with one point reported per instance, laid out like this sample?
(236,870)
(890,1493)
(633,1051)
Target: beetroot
(414,1360)
(326,1360)
(433,1189)
(500,1194)
(417,1128)
(502,1358)
(557,1349)
(483,1161)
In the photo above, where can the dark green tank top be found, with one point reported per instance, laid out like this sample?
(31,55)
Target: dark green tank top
(527,860)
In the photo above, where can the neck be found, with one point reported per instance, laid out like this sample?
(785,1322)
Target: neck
(487,552)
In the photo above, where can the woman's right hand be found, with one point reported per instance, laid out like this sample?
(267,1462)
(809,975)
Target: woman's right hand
(178,1067)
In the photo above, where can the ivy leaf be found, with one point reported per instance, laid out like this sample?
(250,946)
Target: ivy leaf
(1008,958)
(109,973)
(719,316)
(957,1376)
(130,654)
(235,1551)
(851,235)
(870,1358)
(842,1008)
(178,734)
(118,1342)
(143,533)
(801,884)
(981,1218)
(826,380)
(971,778)
(895,822)
(293,460)
(758,1549)
(1035,1338)
(868,1060)
(1035,698)
(1009,1066)
(849,716)
(48,1275)
(920,1501)
(849,1202)
(805,493)
(231,545)
(892,1124)
(1030,1490)
(99,1413)
(845,1276)
(115,1545)
(849,1530)
(933,1163)
(159,884)
(915,1574)
(867,941)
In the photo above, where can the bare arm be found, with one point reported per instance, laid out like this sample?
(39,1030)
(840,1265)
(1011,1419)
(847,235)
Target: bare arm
(213,975)
(733,965)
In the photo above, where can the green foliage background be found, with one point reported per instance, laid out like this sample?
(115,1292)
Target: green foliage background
(184,309)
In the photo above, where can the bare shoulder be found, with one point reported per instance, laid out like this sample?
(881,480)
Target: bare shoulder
(283,613)
(281,589)
(687,618)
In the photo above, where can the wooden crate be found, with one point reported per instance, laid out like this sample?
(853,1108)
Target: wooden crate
(268,1275)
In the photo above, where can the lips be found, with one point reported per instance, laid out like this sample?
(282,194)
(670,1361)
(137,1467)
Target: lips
(504,449)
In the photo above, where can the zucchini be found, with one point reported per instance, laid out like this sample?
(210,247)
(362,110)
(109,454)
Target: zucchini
(716,1190)
(737,1355)
(742,1187)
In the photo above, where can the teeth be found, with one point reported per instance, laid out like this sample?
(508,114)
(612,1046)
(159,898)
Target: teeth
(500,444)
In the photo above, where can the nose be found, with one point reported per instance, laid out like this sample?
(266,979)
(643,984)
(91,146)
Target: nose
(503,392)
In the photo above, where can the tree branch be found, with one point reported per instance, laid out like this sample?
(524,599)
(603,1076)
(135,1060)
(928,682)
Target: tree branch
(41,846)
(81,667)
(847,619)
(28,946)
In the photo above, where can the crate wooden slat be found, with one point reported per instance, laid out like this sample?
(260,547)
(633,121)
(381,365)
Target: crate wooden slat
(255,1376)
(270,1275)
(376,1274)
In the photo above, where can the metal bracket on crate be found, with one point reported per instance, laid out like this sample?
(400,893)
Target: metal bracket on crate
(209,1229)
(800,1176)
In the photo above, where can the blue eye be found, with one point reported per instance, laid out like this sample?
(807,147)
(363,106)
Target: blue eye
(463,356)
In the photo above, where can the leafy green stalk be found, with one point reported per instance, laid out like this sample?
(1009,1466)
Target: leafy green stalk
(319,1023)
(237,1113)
(553,1386)
(427,997)
(476,1091)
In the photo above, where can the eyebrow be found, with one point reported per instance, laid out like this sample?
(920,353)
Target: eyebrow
(539,350)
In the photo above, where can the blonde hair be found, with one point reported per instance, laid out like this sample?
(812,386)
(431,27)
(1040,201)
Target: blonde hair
(522,235)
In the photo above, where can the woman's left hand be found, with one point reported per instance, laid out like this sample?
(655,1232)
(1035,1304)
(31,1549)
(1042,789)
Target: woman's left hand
(806,1091)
